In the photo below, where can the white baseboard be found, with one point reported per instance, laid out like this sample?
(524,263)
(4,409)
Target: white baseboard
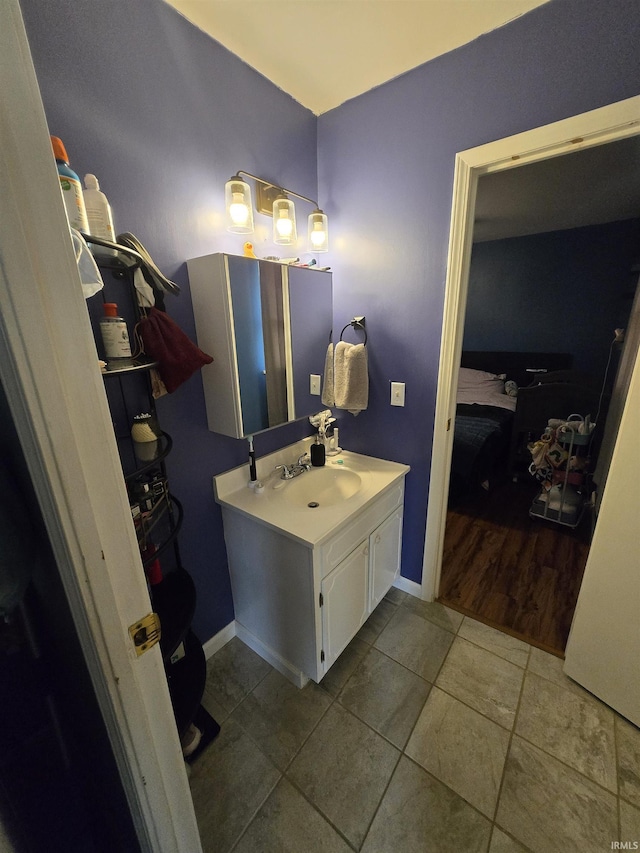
(406,585)
(233,629)
(283,666)
(215,643)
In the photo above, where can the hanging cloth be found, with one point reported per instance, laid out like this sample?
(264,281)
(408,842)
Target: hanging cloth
(351,377)
(328,392)
(164,341)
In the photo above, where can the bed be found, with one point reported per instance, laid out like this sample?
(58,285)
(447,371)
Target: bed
(485,413)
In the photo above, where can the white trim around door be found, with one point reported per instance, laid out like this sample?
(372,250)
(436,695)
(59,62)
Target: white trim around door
(607,124)
(49,371)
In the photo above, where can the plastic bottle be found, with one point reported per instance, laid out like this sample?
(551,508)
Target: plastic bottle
(317,453)
(98,210)
(71,188)
(115,335)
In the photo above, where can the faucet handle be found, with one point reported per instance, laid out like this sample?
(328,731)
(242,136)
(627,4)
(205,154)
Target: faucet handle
(287,473)
(305,461)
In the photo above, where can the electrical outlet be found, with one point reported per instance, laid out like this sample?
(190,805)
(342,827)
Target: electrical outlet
(314,384)
(397,393)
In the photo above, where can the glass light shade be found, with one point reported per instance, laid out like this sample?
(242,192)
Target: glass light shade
(237,198)
(284,222)
(318,232)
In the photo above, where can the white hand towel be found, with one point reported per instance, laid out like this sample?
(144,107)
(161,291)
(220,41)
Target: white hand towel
(328,397)
(351,377)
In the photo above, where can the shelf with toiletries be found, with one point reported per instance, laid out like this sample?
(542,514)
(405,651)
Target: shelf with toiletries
(131,385)
(562,463)
(136,366)
(162,521)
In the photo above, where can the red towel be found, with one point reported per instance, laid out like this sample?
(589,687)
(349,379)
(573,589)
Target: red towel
(165,342)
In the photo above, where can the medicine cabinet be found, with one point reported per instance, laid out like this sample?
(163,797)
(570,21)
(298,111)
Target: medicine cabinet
(267,326)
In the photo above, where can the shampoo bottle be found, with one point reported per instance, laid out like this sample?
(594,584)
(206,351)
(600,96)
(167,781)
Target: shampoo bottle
(115,335)
(71,188)
(98,212)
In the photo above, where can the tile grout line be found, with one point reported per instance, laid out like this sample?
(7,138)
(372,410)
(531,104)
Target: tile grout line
(336,699)
(561,761)
(508,751)
(615,750)
(283,773)
(382,796)
(319,811)
(245,829)
(432,683)
(452,790)
(294,784)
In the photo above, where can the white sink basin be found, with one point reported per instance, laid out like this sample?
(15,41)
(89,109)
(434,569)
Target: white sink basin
(342,487)
(320,487)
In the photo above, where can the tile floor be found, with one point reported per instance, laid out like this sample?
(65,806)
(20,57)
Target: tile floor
(432,732)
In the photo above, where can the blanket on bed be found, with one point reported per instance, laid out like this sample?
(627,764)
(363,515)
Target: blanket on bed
(480,439)
(471,436)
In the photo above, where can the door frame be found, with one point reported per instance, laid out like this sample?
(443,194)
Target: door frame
(597,127)
(50,373)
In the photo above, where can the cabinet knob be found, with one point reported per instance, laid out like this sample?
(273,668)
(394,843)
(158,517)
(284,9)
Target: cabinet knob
(365,550)
(378,539)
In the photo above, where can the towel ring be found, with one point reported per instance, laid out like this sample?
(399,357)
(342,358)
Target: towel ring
(355,326)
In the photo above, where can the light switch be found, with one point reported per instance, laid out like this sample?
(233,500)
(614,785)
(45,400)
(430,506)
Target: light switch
(314,383)
(397,393)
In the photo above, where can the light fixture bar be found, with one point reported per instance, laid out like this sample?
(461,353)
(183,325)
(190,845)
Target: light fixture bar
(273,200)
(277,187)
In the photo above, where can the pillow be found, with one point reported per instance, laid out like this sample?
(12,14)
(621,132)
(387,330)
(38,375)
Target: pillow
(468,378)
(483,388)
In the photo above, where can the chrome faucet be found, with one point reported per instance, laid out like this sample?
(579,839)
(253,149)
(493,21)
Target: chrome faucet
(290,471)
(287,471)
(304,461)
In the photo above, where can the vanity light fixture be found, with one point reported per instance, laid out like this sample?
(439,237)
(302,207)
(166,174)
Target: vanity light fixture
(284,221)
(273,200)
(237,199)
(318,231)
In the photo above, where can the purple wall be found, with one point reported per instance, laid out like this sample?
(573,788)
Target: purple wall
(163,116)
(562,289)
(391,151)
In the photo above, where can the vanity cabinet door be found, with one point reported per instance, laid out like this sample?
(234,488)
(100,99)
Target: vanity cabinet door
(345,602)
(385,545)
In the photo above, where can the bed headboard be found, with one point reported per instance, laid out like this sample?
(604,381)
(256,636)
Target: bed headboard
(522,367)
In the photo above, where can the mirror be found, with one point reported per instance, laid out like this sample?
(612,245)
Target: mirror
(267,326)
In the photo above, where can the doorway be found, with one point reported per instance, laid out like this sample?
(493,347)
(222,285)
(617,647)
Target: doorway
(616,122)
(557,291)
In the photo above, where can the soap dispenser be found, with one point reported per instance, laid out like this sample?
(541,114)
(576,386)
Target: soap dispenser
(317,453)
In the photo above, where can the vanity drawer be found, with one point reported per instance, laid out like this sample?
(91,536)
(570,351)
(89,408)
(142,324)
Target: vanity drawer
(350,536)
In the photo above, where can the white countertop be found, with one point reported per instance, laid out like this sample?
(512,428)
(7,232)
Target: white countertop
(310,526)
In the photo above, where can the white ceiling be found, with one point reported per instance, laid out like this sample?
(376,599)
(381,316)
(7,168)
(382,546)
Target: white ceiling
(324,52)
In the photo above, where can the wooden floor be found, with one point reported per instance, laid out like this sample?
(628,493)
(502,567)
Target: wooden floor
(518,574)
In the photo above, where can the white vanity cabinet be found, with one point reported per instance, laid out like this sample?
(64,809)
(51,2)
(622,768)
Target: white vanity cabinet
(344,604)
(299,604)
(354,588)
(384,548)
(358,567)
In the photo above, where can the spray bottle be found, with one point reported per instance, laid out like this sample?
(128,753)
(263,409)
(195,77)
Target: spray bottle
(71,188)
